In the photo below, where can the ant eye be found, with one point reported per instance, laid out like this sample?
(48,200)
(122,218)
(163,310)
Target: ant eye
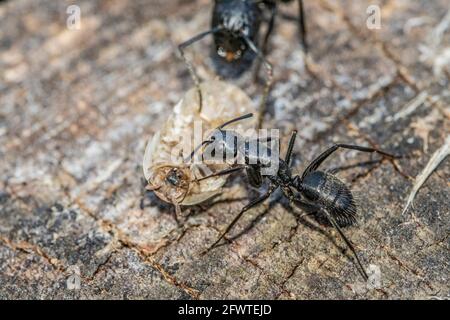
(221,52)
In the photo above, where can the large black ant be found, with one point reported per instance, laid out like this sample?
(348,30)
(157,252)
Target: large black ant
(235,27)
(314,190)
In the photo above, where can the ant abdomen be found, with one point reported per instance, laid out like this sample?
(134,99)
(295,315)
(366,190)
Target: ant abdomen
(332,194)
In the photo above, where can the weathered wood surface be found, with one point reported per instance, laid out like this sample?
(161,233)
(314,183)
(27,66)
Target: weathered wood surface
(77,108)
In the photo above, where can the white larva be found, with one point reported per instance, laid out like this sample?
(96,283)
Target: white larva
(221,102)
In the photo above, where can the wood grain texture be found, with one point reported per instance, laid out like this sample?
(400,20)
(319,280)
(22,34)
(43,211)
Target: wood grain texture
(78,106)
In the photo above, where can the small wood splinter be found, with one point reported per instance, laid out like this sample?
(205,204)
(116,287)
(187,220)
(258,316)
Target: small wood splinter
(438,156)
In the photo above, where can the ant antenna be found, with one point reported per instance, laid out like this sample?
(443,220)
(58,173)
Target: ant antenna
(245,116)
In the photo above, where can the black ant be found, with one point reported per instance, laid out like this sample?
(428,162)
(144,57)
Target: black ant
(235,26)
(315,190)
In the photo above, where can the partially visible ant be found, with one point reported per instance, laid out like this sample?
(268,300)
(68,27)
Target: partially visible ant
(235,27)
(315,190)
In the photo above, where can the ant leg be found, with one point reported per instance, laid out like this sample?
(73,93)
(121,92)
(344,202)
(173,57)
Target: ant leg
(301,21)
(221,173)
(189,158)
(317,161)
(273,12)
(269,70)
(253,203)
(347,242)
(287,159)
(312,207)
(194,76)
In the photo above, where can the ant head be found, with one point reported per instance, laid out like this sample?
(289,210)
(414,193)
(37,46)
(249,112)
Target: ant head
(230,45)
(171,183)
